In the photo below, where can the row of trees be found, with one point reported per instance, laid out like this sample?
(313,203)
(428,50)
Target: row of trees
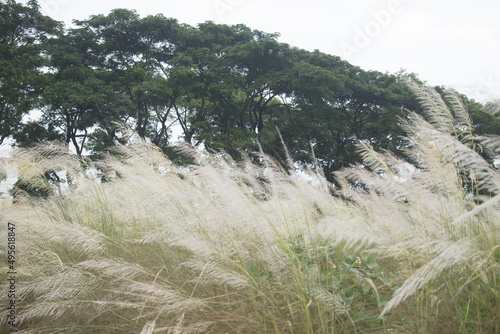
(226,87)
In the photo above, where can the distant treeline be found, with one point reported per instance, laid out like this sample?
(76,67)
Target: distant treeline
(226,87)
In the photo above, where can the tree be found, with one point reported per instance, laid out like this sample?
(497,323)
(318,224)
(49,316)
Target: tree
(24,32)
(35,132)
(235,78)
(204,80)
(69,99)
(227,87)
(336,105)
(130,55)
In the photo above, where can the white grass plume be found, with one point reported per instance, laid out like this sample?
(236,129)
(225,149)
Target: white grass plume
(156,247)
(423,214)
(455,253)
(434,107)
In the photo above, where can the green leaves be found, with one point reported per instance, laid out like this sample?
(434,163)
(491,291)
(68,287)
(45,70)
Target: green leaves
(225,87)
(355,279)
(228,87)
(23,31)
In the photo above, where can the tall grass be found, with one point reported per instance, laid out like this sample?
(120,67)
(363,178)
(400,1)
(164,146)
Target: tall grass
(136,244)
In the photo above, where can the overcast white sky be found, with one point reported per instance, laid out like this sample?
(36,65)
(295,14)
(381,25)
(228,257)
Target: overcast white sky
(452,43)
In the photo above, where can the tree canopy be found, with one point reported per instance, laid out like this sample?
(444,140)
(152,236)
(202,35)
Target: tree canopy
(24,33)
(225,87)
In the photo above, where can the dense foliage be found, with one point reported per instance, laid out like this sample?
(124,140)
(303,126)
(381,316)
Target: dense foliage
(225,87)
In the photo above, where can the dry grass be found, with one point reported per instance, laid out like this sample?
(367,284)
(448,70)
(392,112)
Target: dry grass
(226,247)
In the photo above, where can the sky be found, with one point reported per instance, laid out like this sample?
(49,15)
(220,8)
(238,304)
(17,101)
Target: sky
(450,43)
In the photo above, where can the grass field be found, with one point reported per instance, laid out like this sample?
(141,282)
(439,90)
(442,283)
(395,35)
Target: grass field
(136,244)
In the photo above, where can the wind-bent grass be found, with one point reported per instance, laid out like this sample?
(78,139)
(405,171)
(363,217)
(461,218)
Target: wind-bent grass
(226,247)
